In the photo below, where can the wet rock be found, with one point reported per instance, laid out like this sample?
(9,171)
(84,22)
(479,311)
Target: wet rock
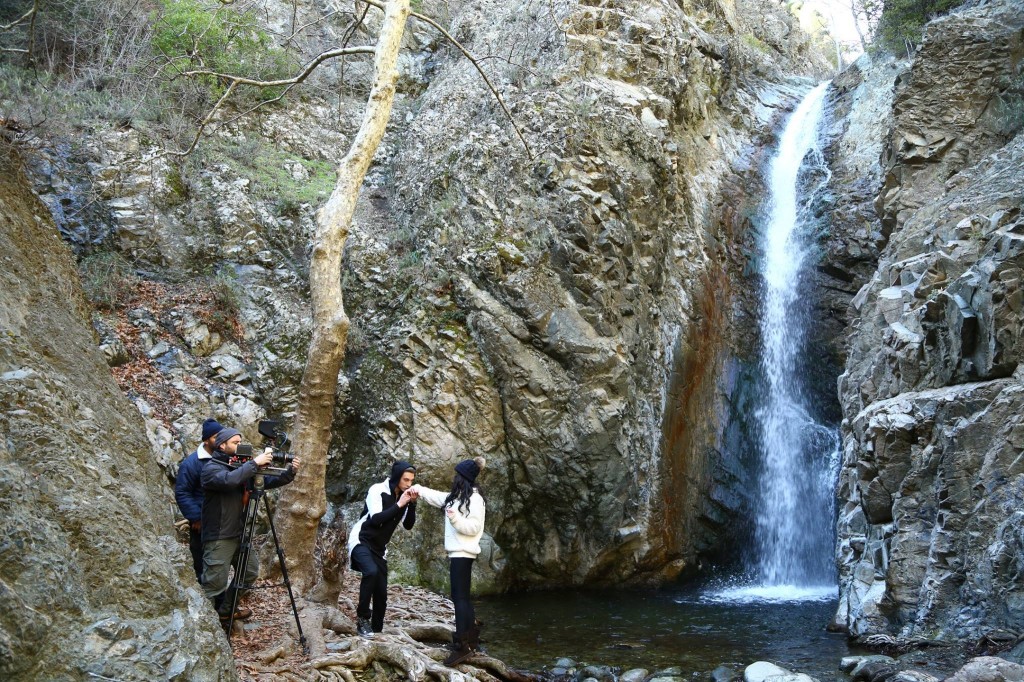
(634,675)
(875,669)
(849,664)
(672,674)
(1014,655)
(724,673)
(988,669)
(598,672)
(763,671)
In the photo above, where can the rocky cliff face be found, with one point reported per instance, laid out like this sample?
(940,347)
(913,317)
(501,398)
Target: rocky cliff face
(930,527)
(92,578)
(574,316)
(578,314)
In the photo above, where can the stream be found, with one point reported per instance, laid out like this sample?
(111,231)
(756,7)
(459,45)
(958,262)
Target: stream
(696,631)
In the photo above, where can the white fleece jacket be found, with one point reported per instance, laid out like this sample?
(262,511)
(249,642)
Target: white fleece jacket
(462,530)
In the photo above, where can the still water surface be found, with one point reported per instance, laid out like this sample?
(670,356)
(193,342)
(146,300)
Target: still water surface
(655,630)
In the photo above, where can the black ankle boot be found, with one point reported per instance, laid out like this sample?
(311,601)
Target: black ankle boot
(460,652)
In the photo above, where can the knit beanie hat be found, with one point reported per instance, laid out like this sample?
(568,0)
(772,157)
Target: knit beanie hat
(469,469)
(224,436)
(211,428)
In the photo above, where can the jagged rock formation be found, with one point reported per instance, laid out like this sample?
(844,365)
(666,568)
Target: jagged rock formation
(94,582)
(578,321)
(930,527)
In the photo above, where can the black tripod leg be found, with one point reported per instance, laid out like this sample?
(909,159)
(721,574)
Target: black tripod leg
(244,548)
(284,574)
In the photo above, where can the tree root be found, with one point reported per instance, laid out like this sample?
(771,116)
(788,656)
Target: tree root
(418,621)
(418,662)
(429,632)
(312,618)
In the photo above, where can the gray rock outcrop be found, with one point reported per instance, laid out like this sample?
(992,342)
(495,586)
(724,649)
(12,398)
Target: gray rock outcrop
(94,583)
(575,317)
(929,522)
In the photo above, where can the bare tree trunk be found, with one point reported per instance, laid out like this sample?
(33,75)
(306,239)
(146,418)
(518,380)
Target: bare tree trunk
(304,502)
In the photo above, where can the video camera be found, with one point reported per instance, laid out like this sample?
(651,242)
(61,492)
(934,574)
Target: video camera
(279,442)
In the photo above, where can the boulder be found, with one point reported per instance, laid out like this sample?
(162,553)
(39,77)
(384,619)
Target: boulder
(95,584)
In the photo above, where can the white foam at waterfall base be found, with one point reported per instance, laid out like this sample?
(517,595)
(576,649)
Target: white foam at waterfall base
(770,594)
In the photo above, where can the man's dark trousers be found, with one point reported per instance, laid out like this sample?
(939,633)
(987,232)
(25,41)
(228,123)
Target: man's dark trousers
(195,546)
(374,585)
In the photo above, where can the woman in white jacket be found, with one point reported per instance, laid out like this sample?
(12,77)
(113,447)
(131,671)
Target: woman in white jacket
(463,527)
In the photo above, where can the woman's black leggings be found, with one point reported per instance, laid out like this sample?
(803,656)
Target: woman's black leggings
(461,569)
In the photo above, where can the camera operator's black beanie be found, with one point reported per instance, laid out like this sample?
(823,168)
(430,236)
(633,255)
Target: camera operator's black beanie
(397,469)
(224,436)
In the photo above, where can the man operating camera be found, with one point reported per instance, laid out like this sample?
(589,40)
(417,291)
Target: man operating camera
(226,485)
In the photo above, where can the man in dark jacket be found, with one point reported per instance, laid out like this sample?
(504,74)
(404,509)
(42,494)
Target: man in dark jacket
(388,503)
(224,492)
(188,492)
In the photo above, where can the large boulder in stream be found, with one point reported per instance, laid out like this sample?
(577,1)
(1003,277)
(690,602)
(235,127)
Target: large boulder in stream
(931,533)
(94,583)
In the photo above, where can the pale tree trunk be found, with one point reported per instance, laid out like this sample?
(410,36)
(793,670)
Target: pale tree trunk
(304,502)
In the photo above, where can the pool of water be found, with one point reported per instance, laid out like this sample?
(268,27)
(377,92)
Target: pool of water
(697,631)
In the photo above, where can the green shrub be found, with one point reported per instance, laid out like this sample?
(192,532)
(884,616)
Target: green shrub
(227,293)
(106,278)
(211,36)
(902,21)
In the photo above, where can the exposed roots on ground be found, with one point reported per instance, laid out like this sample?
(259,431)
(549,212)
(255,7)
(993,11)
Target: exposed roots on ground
(419,623)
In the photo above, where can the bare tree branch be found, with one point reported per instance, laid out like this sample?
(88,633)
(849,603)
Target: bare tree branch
(476,64)
(235,81)
(24,17)
(202,126)
(302,75)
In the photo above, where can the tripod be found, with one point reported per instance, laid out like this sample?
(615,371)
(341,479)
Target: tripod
(245,549)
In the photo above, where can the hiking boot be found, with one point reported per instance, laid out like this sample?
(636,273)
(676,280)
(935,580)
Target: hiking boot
(458,655)
(363,628)
(472,638)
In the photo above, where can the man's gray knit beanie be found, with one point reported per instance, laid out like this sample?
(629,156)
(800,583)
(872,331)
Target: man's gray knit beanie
(224,436)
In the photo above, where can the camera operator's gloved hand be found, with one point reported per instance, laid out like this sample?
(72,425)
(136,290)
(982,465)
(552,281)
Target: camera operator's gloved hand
(264,459)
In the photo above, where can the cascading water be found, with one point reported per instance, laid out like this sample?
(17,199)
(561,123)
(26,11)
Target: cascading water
(794,523)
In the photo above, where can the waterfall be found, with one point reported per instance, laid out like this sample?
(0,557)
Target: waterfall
(795,517)
(799,456)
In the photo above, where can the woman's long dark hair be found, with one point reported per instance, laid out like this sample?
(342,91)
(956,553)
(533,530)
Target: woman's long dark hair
(462,491)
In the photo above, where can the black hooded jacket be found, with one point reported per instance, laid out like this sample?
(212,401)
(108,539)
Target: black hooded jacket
(381,513)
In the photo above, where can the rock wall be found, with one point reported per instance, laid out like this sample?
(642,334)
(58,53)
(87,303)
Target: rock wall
(94,583)
(574,316)
(579,314)
(929,522)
